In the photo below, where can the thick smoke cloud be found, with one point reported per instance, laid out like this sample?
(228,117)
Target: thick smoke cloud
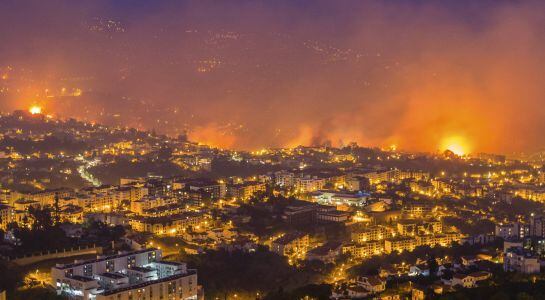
(252,74)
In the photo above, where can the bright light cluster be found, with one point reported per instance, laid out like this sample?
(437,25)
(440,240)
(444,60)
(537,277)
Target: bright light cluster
(35,110)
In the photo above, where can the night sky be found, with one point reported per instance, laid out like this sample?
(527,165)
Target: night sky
(253,74)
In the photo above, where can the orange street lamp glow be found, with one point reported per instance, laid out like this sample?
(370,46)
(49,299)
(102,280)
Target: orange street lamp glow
(35,109)
(456,144)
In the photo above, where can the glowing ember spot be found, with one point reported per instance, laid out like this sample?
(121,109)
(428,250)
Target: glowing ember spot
(456,144)
(35,109)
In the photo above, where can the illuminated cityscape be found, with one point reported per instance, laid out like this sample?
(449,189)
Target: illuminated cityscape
(272,150)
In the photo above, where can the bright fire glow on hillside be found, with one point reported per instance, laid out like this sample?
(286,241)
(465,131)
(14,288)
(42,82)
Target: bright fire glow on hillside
(458,145)
(35,109)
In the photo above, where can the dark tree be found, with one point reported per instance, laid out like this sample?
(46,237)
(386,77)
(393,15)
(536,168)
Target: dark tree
(57,209)
(433,266)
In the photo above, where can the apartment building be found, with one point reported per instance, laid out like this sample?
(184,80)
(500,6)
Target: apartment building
(371,233)
(291,245)
(125,276)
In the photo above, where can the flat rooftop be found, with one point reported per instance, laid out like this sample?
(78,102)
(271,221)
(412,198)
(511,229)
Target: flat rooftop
(81,263)
(148,283)
(113,275)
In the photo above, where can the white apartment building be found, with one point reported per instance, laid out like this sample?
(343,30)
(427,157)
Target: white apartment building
(126,276)
(146,203)
(521,261)
(284,179)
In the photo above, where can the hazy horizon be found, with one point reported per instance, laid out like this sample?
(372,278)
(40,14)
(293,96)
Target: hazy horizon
(253,74)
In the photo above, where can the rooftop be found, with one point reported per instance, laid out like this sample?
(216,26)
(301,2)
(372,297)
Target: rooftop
(288,238)
(148,283)
(81,263)
(82,278)
(113,275)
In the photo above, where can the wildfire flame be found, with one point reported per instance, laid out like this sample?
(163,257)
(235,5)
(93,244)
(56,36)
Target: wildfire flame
(458,145)
(35,110)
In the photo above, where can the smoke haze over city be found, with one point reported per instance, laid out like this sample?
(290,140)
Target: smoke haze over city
(251,74)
